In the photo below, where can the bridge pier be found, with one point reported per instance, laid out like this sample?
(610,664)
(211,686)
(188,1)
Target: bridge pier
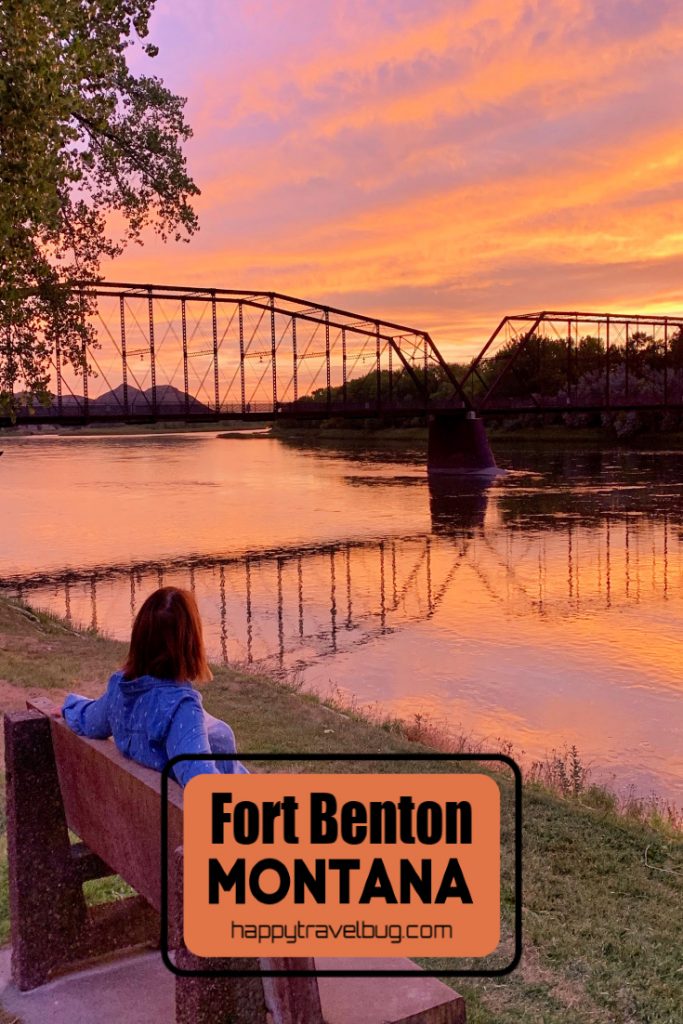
(458,446)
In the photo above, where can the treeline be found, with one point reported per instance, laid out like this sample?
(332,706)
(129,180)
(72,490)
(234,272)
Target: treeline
(644,368)
(583,369)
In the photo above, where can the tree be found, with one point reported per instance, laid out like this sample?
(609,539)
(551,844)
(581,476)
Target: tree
(90,156)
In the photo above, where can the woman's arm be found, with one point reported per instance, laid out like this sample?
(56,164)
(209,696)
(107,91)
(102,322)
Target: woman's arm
(187,735)
(222,741)
(88,717)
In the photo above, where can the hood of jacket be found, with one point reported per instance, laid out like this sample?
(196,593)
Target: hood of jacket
(150,702)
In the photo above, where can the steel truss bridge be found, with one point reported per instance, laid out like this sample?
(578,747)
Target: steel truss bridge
(197,353)
(169,353)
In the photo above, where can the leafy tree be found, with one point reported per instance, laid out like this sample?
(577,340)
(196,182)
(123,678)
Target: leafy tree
(676,350)
(90,156)
(538,367)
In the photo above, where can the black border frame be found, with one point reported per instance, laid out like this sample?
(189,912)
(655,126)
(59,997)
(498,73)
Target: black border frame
(497,972)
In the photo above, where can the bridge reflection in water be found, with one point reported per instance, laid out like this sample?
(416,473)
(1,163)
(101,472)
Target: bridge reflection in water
(290,608)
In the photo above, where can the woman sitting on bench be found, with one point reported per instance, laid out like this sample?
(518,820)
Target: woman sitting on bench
(150,706)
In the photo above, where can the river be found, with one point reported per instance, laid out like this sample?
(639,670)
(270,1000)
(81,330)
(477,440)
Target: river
(544,610)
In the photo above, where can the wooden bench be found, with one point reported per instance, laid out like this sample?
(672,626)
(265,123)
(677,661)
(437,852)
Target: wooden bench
(59,782)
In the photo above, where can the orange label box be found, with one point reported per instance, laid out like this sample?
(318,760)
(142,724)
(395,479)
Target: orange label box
(342,865)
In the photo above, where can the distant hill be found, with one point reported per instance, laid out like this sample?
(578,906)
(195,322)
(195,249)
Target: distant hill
(169,399)
(141,401)
(69,401)
(115,396)
(168,395)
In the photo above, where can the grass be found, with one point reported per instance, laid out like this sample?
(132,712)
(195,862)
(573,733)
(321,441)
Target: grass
(602,891)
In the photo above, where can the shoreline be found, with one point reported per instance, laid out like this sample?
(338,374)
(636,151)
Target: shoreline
(588,868)
(374,434)
(551,434)
(130,429)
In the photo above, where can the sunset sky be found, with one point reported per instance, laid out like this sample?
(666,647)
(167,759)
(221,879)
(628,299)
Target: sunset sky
(437,163)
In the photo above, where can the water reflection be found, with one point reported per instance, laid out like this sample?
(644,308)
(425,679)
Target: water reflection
(544,607)
(296,606)
(458,504)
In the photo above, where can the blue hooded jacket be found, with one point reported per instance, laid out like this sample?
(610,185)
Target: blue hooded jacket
(153,720)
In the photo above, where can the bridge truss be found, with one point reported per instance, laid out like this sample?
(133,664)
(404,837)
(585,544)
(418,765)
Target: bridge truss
(166,352)
(560,361)
(169,352)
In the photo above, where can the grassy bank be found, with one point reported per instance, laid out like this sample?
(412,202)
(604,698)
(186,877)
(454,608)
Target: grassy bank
(126,429)
(551,434)
(601,892)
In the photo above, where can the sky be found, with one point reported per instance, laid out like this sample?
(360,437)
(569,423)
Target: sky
(436,163)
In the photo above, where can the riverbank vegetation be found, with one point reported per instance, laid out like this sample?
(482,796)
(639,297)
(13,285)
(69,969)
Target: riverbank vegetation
(642,374)
(601,888)
(518,431)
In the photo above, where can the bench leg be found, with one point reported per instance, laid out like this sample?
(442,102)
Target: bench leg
(245,1000)
(218,1000)
(211,1000)
(250,1000)
(47,907)
(292,1000)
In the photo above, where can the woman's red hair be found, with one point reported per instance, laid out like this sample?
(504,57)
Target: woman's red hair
(167,640)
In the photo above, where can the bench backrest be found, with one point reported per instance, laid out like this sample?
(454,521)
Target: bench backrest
(114,806)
